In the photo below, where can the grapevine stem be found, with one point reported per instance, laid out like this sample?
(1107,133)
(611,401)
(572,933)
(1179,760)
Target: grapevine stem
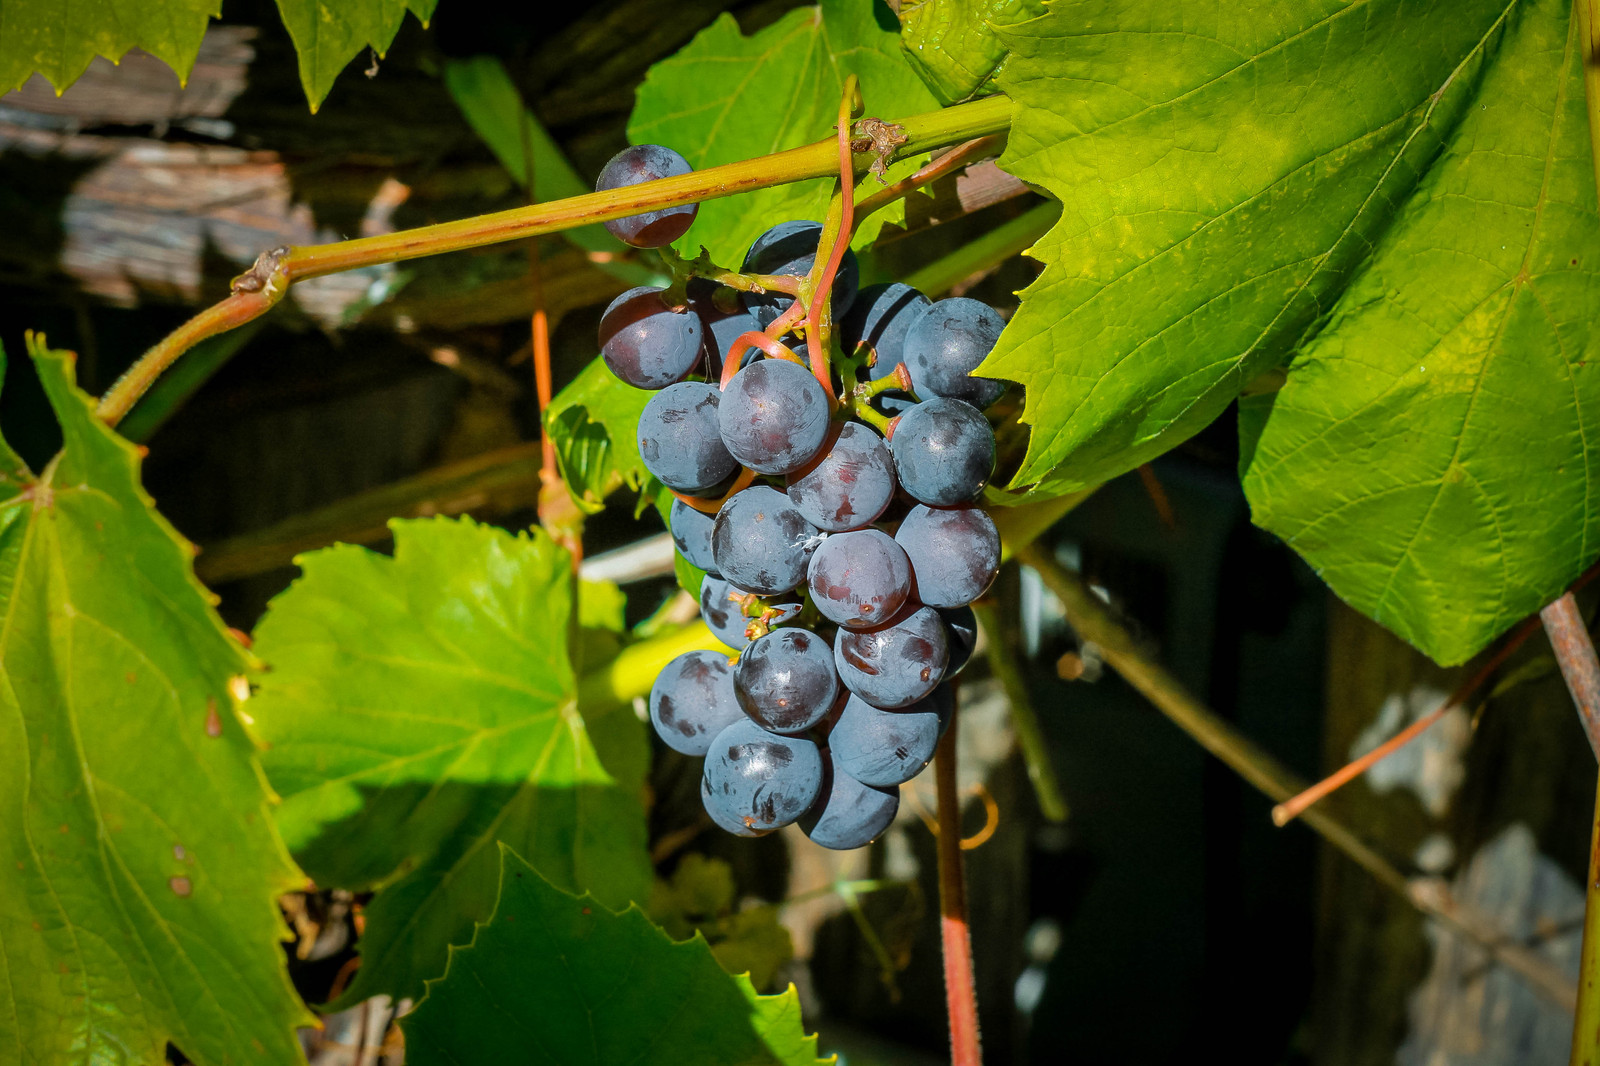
(279,269)
(820,312)
(961,999)
(704,506)
(955,159)
(744,342)
(1569,637)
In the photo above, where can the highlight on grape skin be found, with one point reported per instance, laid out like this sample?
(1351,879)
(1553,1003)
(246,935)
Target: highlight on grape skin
(635,165)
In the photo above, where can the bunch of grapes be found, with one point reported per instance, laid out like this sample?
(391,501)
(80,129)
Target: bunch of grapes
(842,571)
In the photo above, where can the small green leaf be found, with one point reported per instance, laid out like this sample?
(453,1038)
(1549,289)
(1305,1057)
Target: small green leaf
(1379,187)
(422,707)
(59,39)
(594,423)
(953,45)
(565,979)
(726,97)
(328,35)
(1429,453)
(138,862)
(700,898)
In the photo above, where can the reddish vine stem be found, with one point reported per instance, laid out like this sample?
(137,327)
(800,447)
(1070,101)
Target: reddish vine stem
(961,998)
(817,340)
(768,344)
(705,506)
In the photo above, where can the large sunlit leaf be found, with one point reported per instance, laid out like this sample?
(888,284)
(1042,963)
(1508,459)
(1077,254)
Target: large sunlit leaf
(594,425)
(1431,451)
(727,97)
(328,35)
(1384,186)
(59,39)
(559,978)
(422,707)
(138,863)
(953,43)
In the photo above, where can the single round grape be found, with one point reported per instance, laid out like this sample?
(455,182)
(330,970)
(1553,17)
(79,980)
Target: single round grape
(886,748)
(879,320)
(774,416)
(859,579)
(849,814)
(897,664)
(680,438)
(849,484)
(955,553)
(791,248)
(633,166)
(785,681)
(961,632)
(761,542)
(722,817)
(693,700)
(720,327)
(647,343)
(946,343)
(723,615)
(943,452)
(761,780)
(691,535)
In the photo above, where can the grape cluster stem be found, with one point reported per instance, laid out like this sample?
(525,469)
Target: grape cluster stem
(961,998)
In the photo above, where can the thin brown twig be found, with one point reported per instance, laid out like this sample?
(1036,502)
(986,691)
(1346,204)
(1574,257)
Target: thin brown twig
(1092,621)
(1284,812)
(1569,637)
(953,160)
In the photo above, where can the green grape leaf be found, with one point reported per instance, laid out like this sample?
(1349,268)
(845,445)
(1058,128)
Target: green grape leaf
(1429,452)
(700,897)
(953,45)
(328,36)
(565,979)
(422,707)
(1207,236)
(138,860)
(58,40)
(594,423)
(726,97)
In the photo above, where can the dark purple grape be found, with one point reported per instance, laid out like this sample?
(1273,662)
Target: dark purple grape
(680,438)
(785,681)
(691,535)
(894,665)
(791,248)
(634,166)
(693,700)
(886,748)
(645,342)
(859,579)
(848,814)
(720,328)
(723,818)
(761,543)
(943,452)
(879,320)
(961,632)
(946,343)
(760,780)
(850,484)
(774,416)
(723,615)
(955,553)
